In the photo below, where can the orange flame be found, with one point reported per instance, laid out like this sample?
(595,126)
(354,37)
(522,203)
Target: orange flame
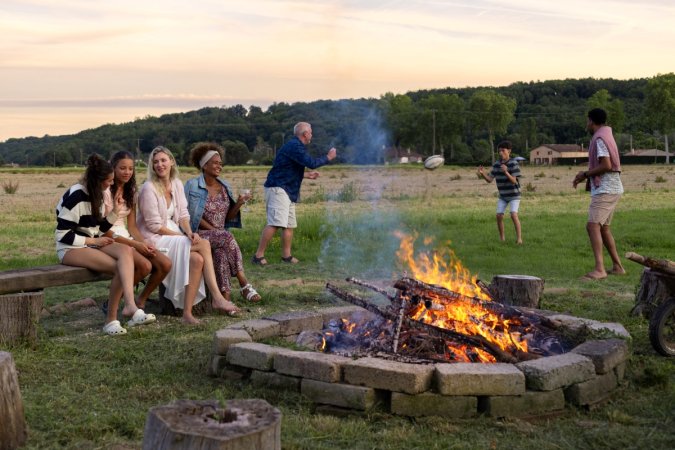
(444,269)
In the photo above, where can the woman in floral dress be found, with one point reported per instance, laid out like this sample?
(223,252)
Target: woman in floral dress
(212,210)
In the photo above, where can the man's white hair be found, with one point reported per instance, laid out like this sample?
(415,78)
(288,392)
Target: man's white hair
(300,128)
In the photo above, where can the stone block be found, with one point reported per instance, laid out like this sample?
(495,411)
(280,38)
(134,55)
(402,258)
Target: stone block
(479,379)
(554,372)
(606,354)
(342,395)
(576,323)
(312,365)
(429,404)
(275,381)
(295,322)
(389,375)
(226,337)
(531,403)
(253,355)
(591,391)
(258,329)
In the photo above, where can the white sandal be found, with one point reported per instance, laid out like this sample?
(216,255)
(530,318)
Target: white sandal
(114,328)
(251,295)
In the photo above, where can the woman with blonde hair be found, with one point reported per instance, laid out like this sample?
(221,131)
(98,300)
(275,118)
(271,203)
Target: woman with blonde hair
(164,222)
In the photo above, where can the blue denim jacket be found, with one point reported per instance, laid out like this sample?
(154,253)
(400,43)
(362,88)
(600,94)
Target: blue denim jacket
(196,194)
(289,165)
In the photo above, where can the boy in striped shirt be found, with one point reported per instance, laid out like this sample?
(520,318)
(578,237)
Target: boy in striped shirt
(506,172)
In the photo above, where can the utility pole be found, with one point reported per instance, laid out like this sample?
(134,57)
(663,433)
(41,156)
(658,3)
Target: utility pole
(433,135)
(138,150)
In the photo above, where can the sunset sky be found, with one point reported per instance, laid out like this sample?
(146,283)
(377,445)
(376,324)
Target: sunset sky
(69,65)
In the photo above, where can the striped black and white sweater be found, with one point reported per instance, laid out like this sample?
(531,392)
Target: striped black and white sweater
(74,220)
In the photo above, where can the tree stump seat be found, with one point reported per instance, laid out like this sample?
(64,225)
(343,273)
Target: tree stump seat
(251,424)
(517,290)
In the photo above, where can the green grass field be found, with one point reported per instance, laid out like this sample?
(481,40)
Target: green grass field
(85,390)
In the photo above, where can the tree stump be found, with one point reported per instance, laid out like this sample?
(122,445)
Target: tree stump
(186,424)
(19,315)
(655,288)
(13,433)
(517,290)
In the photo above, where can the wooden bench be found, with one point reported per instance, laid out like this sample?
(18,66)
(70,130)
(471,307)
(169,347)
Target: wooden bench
(22,296)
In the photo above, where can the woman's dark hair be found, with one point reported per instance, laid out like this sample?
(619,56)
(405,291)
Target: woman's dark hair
(199,150)
(129,188)
(97,171)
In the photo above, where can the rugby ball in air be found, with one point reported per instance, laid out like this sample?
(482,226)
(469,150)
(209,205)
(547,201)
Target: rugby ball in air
(433,162)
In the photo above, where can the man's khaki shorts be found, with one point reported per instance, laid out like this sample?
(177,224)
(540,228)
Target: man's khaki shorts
(602,208)
(280,208)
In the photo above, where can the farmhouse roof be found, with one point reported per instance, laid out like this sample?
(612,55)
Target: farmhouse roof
(564,148)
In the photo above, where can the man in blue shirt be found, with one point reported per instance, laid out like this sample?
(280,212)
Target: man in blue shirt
(282,190)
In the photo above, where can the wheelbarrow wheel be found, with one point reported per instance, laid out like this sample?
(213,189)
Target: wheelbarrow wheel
(662,328)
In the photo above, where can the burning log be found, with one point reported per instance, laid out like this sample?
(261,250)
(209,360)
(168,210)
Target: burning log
(421,290)
(473,341)
(371,287)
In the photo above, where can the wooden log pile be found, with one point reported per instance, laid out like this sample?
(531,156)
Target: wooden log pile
(657,283)
(414,338)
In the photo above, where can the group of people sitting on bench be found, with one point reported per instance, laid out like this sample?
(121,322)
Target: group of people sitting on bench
(178,235)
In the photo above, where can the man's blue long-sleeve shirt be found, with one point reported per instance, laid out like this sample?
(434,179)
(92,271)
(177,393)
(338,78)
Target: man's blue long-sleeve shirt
(288,169)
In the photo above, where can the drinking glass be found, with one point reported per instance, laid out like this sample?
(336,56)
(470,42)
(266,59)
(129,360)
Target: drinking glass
(245,192)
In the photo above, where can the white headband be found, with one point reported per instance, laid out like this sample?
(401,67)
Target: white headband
(210,154)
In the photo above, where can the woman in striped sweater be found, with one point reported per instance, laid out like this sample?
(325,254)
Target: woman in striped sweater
(80,241)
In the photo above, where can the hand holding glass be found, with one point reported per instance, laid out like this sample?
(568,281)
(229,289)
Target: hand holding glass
(246,193)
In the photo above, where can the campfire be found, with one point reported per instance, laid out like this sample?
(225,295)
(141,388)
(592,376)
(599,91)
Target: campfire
(440,312)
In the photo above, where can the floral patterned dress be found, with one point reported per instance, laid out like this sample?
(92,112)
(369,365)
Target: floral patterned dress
(227,259)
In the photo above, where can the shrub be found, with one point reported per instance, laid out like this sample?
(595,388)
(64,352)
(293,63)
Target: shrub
(9,187)
(455,177)
(530,188)
(348,193)
(660,179)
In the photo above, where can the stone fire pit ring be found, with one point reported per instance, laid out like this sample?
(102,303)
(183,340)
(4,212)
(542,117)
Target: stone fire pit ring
(583,377)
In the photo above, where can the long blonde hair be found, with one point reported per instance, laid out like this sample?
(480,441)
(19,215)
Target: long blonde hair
(152,176)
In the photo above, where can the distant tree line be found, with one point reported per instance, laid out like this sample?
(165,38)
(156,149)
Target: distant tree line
(463,124)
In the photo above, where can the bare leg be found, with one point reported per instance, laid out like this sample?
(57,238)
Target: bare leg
(516,224)
(219,302)
(97,260)
(265,237)
(500,226)
(596,244)
(162,266)
(610,245)
(196,268)
(286,241)
(125,271)
(241,278)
